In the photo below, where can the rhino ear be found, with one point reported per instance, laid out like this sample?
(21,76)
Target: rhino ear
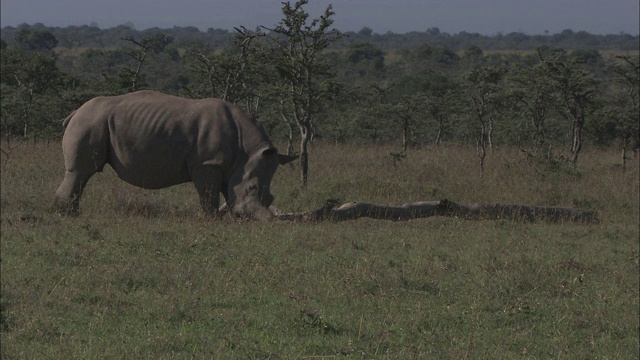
(285,159)
(269,151)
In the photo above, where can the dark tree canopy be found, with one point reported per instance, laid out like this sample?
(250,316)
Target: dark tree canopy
(35,40)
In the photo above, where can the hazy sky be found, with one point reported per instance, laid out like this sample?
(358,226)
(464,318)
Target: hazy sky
(487,17)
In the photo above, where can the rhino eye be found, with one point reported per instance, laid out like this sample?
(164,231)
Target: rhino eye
(253,188)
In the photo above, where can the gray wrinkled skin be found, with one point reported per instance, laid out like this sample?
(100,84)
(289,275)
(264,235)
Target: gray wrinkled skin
(154,141)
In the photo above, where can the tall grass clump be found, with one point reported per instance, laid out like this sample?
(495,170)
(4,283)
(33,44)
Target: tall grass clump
(142,274)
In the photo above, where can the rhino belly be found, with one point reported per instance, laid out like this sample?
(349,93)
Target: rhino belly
(153,165)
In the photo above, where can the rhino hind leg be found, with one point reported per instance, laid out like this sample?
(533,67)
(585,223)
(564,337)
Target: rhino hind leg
(208,182)
(82,161)
(69,193)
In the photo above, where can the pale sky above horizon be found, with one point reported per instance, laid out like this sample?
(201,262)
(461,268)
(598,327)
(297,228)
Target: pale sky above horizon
(487,17)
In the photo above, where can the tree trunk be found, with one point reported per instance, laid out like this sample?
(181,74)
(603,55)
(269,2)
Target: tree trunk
(576,144)
(490,133)
(290,140)
(26,113)
(354,210)
(438,136)
(440,130)
(290,126)
(305,134)
(405,136)
(625,146)
(482,148)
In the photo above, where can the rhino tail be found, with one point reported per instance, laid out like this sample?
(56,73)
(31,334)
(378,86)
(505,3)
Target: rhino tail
(66,121)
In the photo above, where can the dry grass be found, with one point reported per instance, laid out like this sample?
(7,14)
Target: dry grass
(141,274)
(367,173)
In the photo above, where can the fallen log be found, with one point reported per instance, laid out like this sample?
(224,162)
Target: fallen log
(354,210)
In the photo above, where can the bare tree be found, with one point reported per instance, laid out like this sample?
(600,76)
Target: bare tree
(229,75)
(575,89)
(144,47)
(486,95)
(305,75)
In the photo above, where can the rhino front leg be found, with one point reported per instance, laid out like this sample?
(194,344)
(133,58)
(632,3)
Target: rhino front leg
(208,182)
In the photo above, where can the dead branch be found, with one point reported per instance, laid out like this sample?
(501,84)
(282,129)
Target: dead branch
(353,210)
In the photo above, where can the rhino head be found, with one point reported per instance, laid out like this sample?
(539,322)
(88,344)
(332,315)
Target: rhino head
(249,192)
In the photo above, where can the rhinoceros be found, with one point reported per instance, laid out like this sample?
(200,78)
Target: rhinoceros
(153,140)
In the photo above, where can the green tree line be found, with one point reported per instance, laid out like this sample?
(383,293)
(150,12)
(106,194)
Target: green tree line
(94,37)
(305,80)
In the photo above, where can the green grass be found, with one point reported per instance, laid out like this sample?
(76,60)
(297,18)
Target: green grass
(142,274)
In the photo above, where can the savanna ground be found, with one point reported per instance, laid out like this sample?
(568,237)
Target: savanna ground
(142,274)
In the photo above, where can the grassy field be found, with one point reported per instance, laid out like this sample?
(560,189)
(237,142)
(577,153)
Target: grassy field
(143,275)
